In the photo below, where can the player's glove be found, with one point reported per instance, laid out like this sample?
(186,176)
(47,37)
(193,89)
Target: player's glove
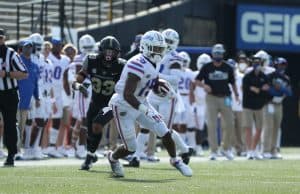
(81,88)
(149,113)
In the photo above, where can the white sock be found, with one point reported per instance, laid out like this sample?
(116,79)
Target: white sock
(53,136)
(183,136)
(180,144)
(141,139)
(27,136)
(191,138)
(38,138)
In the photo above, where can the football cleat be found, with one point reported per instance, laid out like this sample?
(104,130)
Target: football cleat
(89,160)
(134,162)
(184,169)
(116,166)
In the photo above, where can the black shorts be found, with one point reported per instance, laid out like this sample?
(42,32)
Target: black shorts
(104,116)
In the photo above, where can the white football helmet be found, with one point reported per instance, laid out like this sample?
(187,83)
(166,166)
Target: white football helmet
(153,46)
(37,41)
(264,56)
(186,59)
(202,60)
(171,38)
(86,44)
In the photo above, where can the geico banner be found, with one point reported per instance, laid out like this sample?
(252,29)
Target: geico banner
(268,27)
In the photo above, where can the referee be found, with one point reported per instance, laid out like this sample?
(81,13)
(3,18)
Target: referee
(12,69)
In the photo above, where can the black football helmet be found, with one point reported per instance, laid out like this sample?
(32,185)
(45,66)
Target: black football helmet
(109,48)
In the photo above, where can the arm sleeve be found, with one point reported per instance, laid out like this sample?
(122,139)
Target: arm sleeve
(200,75)
(17,63)
(84,70)
(36,86)
(231,76)
(245,84)
(135,68)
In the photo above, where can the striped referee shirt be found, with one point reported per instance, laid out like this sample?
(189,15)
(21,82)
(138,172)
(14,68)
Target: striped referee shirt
(10,61)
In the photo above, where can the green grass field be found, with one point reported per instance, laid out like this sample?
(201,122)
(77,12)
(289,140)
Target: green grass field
(272,176)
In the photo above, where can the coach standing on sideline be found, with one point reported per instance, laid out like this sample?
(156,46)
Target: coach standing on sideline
(215,77)
(12,69)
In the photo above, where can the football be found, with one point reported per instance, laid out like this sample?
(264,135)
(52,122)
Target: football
(161,88)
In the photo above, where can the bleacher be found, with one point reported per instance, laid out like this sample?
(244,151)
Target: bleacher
(41,15)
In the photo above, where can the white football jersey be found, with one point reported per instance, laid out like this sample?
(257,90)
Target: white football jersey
(146,71)
(59,67)
(165,64)
(184,83)
(46,74)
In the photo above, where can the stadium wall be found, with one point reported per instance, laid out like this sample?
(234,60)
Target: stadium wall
(224,15)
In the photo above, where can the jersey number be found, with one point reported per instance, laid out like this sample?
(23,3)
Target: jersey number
(57,72)
(106,87)
(184,84)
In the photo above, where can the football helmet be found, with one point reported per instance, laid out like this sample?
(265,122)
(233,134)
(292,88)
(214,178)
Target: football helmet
(153,46)
(37,41)
(86,44)
(281,64)
(171,38)
(186,59)
(109,48)
(202,60)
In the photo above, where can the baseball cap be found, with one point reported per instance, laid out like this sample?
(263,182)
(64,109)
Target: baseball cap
(56,41)
(25,42)
(2,32)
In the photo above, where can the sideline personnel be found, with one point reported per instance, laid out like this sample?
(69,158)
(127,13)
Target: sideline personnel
(12,69)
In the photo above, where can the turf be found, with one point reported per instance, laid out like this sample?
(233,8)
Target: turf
(273,176)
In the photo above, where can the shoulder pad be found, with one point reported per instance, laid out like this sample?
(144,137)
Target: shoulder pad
(92,56)
(122,61)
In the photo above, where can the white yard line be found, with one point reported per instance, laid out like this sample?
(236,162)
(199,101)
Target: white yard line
(77,162)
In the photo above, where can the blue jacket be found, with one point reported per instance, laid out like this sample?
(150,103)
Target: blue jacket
(28,87)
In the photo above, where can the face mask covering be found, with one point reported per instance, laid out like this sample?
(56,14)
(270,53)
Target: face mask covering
(256,67)
(218,59)
(281,70)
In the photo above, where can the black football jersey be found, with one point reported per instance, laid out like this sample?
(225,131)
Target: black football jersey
(103,77)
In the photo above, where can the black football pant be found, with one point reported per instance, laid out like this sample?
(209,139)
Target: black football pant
(95,114)
(9,100)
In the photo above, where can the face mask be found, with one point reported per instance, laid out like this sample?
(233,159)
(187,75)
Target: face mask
(218,59)
(257,67)
(281,70)
(242,66)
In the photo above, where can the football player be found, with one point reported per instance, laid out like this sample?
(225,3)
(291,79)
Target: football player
(42,113)
(130,104)
(182,119)
(197,99)
(60,63)
(104,70)
(169,69)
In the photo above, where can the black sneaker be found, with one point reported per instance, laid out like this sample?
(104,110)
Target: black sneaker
(9,161)
(89,160)
(186,156)
(133,163)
